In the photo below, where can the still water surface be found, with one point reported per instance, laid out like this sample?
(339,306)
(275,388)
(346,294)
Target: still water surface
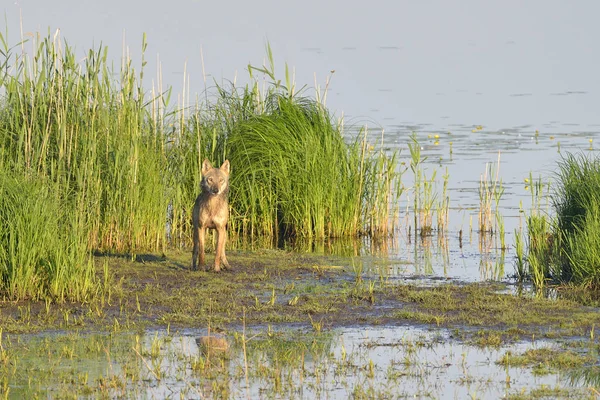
(402,65)
(378,362)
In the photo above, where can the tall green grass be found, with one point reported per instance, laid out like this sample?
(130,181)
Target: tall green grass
(90,135)
(564,246)
(296,176)
(124,163)
(42,246)
(539,264)
(577,205)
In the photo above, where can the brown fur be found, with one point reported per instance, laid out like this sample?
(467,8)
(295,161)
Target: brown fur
(211,210)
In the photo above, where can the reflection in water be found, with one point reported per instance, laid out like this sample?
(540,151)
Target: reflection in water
(382,362)
(585,377)
(441,254)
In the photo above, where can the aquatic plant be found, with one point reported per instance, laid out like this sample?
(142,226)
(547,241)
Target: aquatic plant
(428,200)
(92,136)
(423,189)
(443,206)
(538,256)
(520,268)
(490,193)
(415,165)
(565,247)
(538,263)
(501,230)
(297,177)
(576,201)
(43,253)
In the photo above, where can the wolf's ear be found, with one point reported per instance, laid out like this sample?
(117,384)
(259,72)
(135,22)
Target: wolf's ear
(206,166)
(225,166)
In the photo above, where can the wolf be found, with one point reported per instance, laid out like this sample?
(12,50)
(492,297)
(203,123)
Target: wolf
(211,210)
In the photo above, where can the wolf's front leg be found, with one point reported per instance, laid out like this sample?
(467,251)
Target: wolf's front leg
(201,236)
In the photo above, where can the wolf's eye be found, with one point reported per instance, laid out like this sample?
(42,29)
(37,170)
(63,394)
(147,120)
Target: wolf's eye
(221,180)
(209,180)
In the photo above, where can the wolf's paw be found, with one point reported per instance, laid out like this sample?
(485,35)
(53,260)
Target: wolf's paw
(227,267)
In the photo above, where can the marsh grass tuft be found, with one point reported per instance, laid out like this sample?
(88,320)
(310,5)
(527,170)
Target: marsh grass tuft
(520,268)
(297,177)
(550,357)
(565,247)
(577,204)
(443,207)
(490,193)
(43,253)
(424,194)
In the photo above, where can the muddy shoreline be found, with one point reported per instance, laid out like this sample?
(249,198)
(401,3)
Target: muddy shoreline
(274,287)
(298,324)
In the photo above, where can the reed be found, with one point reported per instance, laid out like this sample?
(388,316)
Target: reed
(125,163)
(576,201)
(428,200)
(415,165)
(520,268)
(91,135)
(43,253)
(539,251)
(382,188)
(423,189)
(501,230)
(490,193)
(297,177)
(443,206)
(538,264)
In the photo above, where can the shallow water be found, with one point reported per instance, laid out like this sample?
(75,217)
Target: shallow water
(467,255)
(380,362)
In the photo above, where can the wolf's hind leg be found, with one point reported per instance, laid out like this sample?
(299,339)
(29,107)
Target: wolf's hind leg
(220,251)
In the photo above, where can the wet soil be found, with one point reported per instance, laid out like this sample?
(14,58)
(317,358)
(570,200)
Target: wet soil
(280,288)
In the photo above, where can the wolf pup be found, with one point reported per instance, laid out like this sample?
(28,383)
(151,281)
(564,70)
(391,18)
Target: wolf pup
(211,210)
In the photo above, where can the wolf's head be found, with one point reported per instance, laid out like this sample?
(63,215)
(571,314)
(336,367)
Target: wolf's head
(215,181)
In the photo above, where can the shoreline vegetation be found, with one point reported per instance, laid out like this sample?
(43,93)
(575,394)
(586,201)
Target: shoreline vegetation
(92,160)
